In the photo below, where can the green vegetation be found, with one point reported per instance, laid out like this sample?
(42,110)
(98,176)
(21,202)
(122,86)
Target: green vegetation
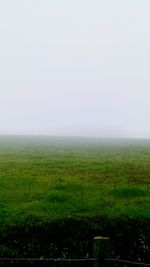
(56,194)
(60,178)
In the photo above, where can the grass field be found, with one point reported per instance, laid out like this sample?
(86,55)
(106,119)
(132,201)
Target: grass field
(58,178)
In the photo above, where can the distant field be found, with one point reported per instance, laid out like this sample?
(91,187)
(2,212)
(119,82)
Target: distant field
(58,178)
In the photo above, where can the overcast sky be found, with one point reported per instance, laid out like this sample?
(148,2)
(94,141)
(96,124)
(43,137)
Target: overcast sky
(75,68)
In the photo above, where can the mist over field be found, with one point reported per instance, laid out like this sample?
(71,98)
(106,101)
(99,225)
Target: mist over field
(74,129)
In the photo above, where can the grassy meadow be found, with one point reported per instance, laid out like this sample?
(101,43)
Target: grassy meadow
(59,178)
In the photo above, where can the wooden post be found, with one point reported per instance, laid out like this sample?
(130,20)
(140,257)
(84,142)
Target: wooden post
(101,247)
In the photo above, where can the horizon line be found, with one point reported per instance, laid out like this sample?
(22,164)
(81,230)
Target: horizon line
(73,136)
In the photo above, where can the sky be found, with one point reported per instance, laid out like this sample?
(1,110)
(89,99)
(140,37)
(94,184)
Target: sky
(75,68)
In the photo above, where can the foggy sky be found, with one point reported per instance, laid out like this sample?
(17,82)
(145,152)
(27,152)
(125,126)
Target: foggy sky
(75,68)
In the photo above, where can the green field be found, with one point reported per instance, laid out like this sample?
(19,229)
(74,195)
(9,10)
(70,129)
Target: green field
(59,178)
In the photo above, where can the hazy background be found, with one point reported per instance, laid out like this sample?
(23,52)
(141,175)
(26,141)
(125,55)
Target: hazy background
(78,68)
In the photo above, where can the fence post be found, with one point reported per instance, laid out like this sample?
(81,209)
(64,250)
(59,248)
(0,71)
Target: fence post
(101,250)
